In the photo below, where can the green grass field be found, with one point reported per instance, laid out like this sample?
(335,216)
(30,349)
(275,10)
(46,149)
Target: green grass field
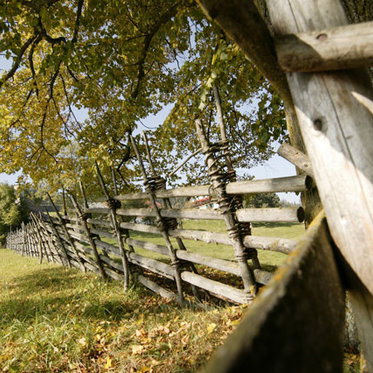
(55,319)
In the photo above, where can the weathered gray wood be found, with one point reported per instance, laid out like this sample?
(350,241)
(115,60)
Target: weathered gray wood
(132,196)
(160,249)
(220,264)
(66,232)
(152,265)
(98,210)
(205,236)
(226,291)
(136,212)
(343,47)
(114,275)
(282,245)
(297,322)
(112,263)
(103,233)
(140,227)
(192,214)
(191,191)
(262,277)
(156,288)
(281,184)
(100,223)
(226,212)
(337,131)
(107,246)
(296,157)
(286,214)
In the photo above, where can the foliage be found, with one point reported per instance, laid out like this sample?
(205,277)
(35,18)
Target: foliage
(262,200)
(118,62)
(12,214)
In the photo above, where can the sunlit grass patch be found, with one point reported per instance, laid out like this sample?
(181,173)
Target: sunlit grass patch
(55,319)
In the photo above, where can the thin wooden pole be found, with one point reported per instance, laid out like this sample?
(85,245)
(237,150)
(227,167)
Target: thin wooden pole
(166,203)
(59,239)
(83,220)
(71,241)
(113,205)
(233,231)
(162,226)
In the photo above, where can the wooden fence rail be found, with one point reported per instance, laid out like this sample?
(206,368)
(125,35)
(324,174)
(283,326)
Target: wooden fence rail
(113,240)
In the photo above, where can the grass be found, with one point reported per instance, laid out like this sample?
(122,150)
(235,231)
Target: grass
(55,319)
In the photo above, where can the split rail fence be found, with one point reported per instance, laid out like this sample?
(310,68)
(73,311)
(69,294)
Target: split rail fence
(99,237)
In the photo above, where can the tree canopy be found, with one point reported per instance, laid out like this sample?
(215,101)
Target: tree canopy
(120,61)
(12,211)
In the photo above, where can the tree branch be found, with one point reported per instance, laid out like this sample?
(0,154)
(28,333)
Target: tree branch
(17,60)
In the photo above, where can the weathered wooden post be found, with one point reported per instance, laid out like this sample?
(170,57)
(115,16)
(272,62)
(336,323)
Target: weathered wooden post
(240,252)
(68,237)
(161,224)
(114,205)
(83,221)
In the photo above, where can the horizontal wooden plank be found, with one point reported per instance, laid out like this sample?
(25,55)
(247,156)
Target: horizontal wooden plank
(282,312)
(282,245)
(173,213)
(98,210)
(192,214)
(286,214)
(156,288)
(152,265)
(296,157)
(226,291)
(160,249)
(274,185)
(136,212)
(102,233)
(262,277)
(114,275)
(107,246)
(191,191)
(111,262)
(141,228)
(132,196)
(220,264)
(101,223)
(205,236)
(343,47)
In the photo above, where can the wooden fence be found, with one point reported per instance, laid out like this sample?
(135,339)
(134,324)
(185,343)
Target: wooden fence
(99,237)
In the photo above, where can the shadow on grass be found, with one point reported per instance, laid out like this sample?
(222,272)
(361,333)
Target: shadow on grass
(65,293)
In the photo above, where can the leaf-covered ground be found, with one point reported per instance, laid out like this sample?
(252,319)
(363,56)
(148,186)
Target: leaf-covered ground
(55,319)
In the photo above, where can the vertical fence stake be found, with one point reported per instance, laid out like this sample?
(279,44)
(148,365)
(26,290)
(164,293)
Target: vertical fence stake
(113,205)
(161,224)
(160,184)
(71,241)
(229,218)
(83,220)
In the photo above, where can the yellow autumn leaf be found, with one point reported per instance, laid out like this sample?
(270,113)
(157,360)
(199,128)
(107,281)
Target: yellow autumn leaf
(210,328)
(108,363)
